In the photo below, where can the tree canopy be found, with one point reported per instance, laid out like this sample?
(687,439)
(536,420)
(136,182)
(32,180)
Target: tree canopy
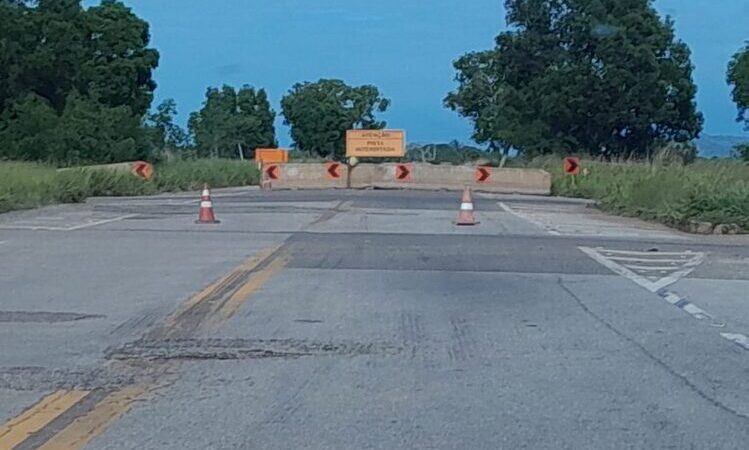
(233,123)
(320,113)
(164,134)
(75,83)
(738,78)
(601,77)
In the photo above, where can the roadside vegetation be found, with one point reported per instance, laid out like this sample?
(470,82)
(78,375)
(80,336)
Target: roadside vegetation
(31,185)
(695,197)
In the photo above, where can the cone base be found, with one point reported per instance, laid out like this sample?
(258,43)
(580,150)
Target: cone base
(205,222)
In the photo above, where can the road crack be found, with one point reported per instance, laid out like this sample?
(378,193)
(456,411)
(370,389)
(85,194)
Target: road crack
(659,362)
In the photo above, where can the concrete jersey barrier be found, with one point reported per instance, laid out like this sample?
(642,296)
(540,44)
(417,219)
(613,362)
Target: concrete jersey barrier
(430,176)
(306,176)
(407,176)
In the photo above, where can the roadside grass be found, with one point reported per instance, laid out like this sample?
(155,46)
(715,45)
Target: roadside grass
(714,191)
(29,185)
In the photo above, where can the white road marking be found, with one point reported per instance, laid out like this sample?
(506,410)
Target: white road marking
(651,282)
(632,252)
(528,219)
(647,260)
(690,308)
(738,339)
(100,222)
(650,268)
(658,286)
(73,228)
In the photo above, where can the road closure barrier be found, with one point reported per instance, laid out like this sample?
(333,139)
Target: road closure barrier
(306,176)
(407,176)
(449,177)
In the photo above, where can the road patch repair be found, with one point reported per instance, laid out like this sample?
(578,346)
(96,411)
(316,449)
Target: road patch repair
(71,419)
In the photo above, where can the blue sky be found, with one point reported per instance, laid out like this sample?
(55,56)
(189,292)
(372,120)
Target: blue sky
(405,47)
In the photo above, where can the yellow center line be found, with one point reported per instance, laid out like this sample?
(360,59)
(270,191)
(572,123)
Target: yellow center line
(37,417)
(83,429)
(208,292)
(232,305)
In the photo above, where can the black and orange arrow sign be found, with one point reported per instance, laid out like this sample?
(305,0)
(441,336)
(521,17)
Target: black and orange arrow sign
(483,174)
(272,172)
(403,172)
(572,165)
(333,171)
(142,169)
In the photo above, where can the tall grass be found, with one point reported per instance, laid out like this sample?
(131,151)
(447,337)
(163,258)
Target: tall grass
(706,191)
(27,185)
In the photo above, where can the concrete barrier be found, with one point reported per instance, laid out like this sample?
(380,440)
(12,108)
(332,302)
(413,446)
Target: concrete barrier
(306,176)
(407,176)
(449,177)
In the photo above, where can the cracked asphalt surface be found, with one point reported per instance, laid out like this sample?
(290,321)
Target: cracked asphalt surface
(364,319)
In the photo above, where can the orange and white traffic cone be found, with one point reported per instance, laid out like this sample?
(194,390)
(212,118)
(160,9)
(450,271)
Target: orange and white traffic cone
(206,207)
(465,217)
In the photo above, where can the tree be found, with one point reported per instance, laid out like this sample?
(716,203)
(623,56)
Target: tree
(320,113)
(233,123)
(118,66)
(738,79)
(85,132)
(53,52)
(165,134)
(602,77)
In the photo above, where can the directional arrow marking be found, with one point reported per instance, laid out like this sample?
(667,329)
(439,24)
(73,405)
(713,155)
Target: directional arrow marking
(272,172)
(483,174)
(403,173)
(572,166)
(333,170)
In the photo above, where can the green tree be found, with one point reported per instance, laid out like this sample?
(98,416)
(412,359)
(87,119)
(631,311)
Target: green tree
(85,132)
(73,77)
(602,77)
(320,113)
(164,133)
(118,65)
(233,123)
(738,78)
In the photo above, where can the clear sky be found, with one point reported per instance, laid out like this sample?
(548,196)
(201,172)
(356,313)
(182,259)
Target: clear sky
(404,47)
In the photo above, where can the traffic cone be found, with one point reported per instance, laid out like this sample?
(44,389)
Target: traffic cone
(206,207)
(465,217)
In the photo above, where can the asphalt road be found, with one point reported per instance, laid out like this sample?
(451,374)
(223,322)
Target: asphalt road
(367,320)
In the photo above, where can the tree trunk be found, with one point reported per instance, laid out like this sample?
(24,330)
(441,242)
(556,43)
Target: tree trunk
(239,150)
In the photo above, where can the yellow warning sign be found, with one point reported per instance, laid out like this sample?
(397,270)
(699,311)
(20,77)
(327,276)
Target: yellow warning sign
(376,143)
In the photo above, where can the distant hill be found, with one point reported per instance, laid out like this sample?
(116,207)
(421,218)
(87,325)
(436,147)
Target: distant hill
(718,146)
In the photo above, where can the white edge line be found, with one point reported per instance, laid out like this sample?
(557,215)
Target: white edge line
(506,208)
(100,222)
(738,339)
